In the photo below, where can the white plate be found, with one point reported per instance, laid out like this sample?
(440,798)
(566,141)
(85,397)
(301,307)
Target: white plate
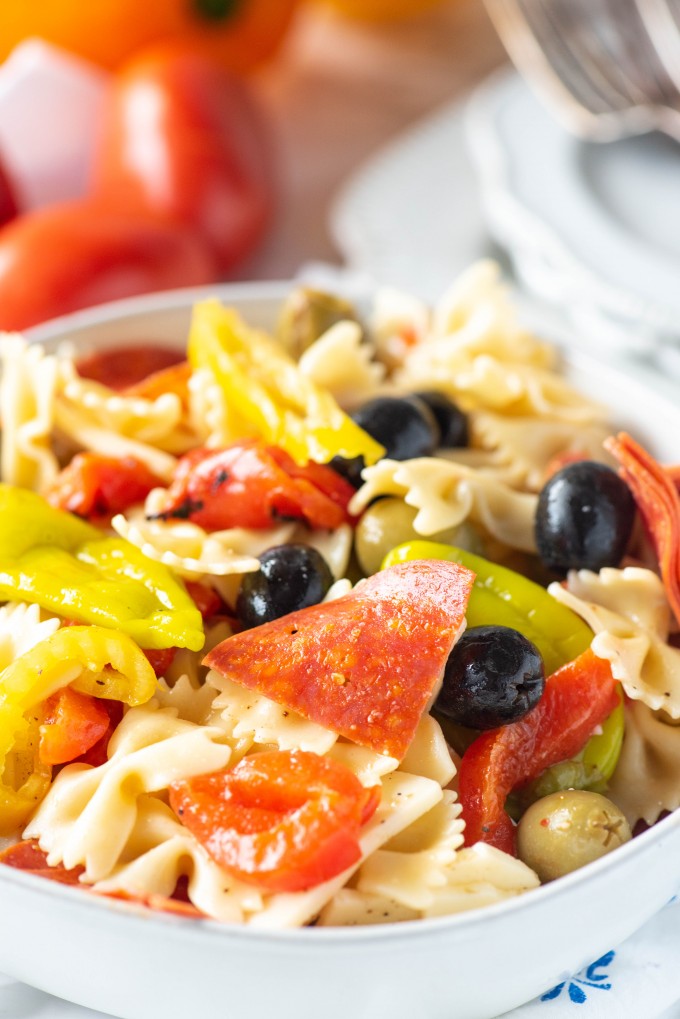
(139,965)
(411,217)
(595,225)
(592,231)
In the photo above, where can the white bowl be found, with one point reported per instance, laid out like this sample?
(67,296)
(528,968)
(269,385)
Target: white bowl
(141,965)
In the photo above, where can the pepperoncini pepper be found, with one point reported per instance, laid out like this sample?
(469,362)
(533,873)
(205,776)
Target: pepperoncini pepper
(53,559)
(91,659)
(267,395)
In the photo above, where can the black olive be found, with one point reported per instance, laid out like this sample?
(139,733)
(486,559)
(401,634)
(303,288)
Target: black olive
(452,422)
(584,518)
(290,577)
(350,469)
(405,426)
(493,676)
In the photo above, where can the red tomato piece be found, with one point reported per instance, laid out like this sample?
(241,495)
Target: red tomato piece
(284,820)
(182,138)
(73,722)
(656,495)
(160,659)
(249,484)
(174,379)
(98,753)
(28,856)
(97,487)
(68,256)
(158,903)
(364,665)
(577,698)
(127,367)
(206,599)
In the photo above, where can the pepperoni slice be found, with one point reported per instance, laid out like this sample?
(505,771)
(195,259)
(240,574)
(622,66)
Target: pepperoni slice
(365,665)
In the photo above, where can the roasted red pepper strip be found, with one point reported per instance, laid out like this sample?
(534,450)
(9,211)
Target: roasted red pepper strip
(97,487)
(364,665)
(253,485)
(73,723)
(577,698)
(284,820)
(28,856)
(658,502)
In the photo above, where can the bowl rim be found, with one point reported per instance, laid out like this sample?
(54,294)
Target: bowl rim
(200,928)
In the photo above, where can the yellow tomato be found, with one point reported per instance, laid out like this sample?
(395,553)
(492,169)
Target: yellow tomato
(382,10)
(238,33)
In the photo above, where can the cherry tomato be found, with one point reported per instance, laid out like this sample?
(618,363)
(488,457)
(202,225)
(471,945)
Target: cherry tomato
(125,367)
(284,820)
(72,255)
(182,138)
(72,724)
(249,484)
(97,487)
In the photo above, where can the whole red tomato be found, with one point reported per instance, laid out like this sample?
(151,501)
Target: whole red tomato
(186,140)
(75,254)
(9,207)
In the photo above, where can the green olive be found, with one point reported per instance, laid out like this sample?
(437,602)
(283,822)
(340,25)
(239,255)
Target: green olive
(386,523)
(306,315)
(566,830)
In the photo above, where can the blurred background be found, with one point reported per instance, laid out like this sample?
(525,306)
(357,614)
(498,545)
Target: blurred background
(392,140)
(97,116)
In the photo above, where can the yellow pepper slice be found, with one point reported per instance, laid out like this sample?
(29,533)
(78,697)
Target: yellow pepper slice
(267,395)
(53,559)
(93,660)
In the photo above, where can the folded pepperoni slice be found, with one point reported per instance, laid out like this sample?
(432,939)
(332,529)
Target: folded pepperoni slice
(365,665)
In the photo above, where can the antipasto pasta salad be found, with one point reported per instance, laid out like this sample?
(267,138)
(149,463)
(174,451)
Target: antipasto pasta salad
(367,620)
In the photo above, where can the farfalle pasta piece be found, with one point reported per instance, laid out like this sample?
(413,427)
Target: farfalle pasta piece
(342,363)
(524,448)
(30,380)
(658,503)
(77,425)
(22,626)
(446,493)
(478,314)
(90,813)
(191,703)
(625,610)
(647,777)
(194,552)
(160,851)
(247,717)
(481,875)
(352,908)
(414,864)
(429,753)
(158,421)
